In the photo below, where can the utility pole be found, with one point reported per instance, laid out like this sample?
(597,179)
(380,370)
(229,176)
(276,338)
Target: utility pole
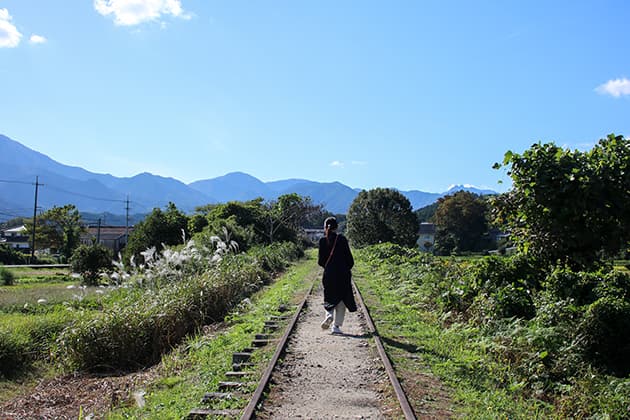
(37,184)
(98,232)
(127,221)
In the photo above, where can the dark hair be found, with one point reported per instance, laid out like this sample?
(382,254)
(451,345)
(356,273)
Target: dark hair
(330,222)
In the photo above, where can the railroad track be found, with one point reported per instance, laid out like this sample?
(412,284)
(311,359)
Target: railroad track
(278,332)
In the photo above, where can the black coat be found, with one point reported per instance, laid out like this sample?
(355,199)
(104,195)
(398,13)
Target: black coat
(337,274)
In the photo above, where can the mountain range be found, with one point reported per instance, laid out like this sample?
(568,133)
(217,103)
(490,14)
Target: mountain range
(59,184)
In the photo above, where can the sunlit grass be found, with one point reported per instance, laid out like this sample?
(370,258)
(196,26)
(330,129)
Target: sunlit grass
(418,342)
(25,275)
(38,296)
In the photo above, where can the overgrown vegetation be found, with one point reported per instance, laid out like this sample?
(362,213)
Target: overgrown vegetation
(198,365)
(156,305)
(161,293)
(10,256)
(499,329)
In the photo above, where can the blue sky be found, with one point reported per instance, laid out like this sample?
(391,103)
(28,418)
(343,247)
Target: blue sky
(406,94)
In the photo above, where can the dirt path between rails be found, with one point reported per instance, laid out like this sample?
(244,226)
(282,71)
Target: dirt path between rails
(326,376)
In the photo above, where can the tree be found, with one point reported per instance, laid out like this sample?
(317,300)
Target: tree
(426,213)
(286,216)
(567,206)
(460,223)
(89,261)
(157,229)
(59,229)
(382,215)
(273,221)
(247,214)
(196,223)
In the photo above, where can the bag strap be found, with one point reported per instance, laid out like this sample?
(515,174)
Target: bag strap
(331,252)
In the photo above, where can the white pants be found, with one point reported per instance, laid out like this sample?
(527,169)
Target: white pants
(339,314)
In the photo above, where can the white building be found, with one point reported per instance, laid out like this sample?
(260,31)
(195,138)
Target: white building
(17,238)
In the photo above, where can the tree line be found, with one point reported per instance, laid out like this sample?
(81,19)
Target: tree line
(564,206)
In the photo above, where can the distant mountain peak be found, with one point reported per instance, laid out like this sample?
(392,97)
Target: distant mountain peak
(470,188)
(99,193)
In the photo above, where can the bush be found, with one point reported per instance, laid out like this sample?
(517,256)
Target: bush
(275,257)
(13,352)
(10,256)
(89,261)
(28,338)
(604,334)
(614,284)
(513,301)
(7,278)
(565,283)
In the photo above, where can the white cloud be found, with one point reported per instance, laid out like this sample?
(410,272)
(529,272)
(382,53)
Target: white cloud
(615,87)
(9,35)
(38,39)
(135,12)
(336,164)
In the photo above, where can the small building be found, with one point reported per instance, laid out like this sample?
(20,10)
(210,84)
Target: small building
(314,234)
(426,236)
(16,238)
(112,237)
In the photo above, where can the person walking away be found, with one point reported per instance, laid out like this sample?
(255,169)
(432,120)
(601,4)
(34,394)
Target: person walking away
(336,259)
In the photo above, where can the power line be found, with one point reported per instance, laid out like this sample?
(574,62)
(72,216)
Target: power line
(86,196)
(8,181)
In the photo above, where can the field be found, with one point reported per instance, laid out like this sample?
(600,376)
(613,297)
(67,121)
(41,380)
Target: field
(48,286)
(50,325)
(486,336)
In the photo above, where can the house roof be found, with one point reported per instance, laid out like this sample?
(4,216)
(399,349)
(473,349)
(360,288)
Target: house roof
(426,228)
(108,232)
(18,229)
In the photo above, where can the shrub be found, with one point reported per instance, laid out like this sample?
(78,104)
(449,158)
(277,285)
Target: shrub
(89,261)
(28,338)
(614,284)
(604,334)
(565,283)
(513,301)
(7,278)
(275,257)
(13,352)
(10,256)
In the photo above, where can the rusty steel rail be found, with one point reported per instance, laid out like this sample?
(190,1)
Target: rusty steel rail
(250,410)
(264,380)
(393,379)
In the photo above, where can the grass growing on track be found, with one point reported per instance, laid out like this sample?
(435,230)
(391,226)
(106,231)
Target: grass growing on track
(420,347)
(199,364)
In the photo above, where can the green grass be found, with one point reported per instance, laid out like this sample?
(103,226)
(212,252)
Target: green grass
(24,275)
(417,340)
(25,297)
(198,365)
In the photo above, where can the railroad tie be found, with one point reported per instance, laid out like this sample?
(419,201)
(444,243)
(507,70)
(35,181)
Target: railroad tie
(214,396)
(238,374)
(202,413)
(241,357)
(237,367)
(229,385)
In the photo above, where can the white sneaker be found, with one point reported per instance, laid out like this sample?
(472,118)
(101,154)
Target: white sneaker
(327,321)
(335,330)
